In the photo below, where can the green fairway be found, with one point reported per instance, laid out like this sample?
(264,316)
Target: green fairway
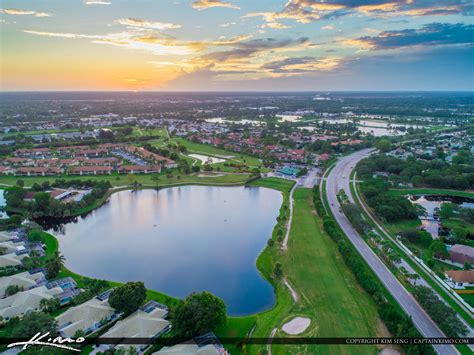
(274,183)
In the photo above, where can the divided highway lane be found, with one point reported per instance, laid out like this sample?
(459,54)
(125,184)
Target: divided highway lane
(339,178)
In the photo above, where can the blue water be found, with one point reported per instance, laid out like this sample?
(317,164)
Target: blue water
(180,240)
(2,204)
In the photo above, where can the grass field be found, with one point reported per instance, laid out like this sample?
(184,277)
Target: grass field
(328,293)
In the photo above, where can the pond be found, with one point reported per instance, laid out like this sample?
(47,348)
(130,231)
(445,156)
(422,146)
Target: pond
(2,204)
(179,240)
(431,205)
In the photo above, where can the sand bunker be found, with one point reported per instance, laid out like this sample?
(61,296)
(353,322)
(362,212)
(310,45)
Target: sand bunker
(296,326)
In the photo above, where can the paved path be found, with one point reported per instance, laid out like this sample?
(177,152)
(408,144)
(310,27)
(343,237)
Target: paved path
(269,345)
(284,245)
(294,294)
(339,178)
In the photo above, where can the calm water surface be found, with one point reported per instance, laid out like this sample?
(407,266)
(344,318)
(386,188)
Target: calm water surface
(2,204)
(180,240)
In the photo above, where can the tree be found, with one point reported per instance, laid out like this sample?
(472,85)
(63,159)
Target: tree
(277,270)
(131,179)
(444,316)
(270,242)
(256,172)
(383,145)
(438,248)
(199,313)
(20,183)
(128,297)
(184,167)
(467,265)
(50,305)
(12,289)
(34,235)
(34,322)
(53,265)
(156,179)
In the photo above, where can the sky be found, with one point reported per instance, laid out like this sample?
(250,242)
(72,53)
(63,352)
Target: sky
(236,45)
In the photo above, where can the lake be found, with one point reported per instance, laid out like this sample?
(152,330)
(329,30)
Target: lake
(179,240)
(2,204)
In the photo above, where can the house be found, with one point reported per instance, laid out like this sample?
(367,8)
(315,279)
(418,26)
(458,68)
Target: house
(24,281)
(288,171)
(11,259)
(147,322)
(12,247)
(33,153)
(69,287)
(6,170)
(460,253)
(37,171)
(87,317)
(460,279)
(207,344)
(139,169)
(26,301)
(91,170)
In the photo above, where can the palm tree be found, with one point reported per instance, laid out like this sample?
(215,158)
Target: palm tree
(156,179)
(54,264)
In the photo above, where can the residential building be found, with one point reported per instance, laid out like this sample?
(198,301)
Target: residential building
(87,317)
(147,322)
(26,301)
(25,281)
(207,344)
(460,253)
(460,279)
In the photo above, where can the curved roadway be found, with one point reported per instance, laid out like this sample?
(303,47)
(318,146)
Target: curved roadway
(339,178)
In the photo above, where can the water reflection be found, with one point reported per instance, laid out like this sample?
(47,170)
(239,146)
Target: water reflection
(179,240)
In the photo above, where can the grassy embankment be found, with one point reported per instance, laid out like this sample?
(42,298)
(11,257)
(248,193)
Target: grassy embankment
(123,180)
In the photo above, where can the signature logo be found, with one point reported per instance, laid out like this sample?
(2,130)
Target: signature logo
(46,340)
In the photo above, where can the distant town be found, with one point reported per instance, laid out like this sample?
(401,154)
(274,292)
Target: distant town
(108,199)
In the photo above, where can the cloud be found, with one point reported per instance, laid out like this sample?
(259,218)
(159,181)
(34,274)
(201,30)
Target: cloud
(307,11)
(147,40)
(328,28)
(97,2)
(150,42)
(249,48)
(227,24)
(24,12)
(302,65)
(139,23)
(433,34)
(205,4)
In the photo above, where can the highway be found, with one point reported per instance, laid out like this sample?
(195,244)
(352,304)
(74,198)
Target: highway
(339,178)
